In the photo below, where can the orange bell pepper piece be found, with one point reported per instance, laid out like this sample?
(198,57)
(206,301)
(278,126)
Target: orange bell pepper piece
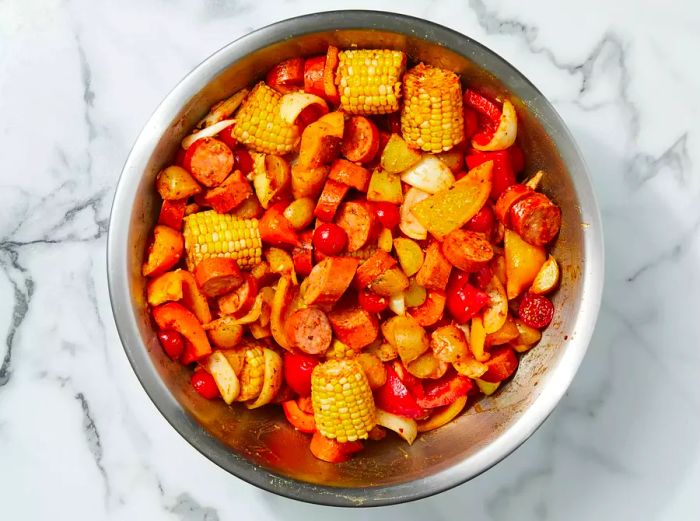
(333,451)
(164,251)
(179,285)
(172,315)
(300,420)
(275,228)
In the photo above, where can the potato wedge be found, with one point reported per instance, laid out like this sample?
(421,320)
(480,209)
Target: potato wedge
(429,175)
(389,283)
(547,279)
(488,388)
(427,365)
(398,156)
(385,186)
(225,335)
(407,336)
(523,262)
(477,339)
(384,351)
(300,212)
(385,240)
(496,313)
(271,178)
(225,377)
(450,209)
(415,294)
(505,334)
(527,335)
(175,182)
(410,255)
(409,224)
(448,344)
(373,368)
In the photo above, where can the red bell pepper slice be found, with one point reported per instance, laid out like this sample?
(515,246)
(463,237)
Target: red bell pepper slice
(464,301)
(503,173)
(172,213)
(394,396)
(172,315)
(275,229)
(313,76)
(285,76)
(297,372)
(445,391)
(482,105)
(300,420)
(471,122)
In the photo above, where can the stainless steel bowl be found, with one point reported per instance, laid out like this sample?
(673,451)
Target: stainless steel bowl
(259,446)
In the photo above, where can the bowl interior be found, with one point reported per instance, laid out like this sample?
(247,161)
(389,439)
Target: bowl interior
(385,471)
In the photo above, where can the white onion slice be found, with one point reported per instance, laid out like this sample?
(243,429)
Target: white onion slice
(224,109)
(207,132)
(429,175)
(293,103)
(506,132)
(397,303)
(408,224)
(407,428)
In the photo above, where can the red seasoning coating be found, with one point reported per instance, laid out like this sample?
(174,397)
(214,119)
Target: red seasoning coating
(536,219)
(467,250)
(209,161)
(357,218)
(309,331)
(328,281)
(354,326)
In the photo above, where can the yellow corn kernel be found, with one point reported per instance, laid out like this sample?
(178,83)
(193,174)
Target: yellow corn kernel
(340,350)
(369,80)
(342,400)
(211,234)
(432,117)
(260,125)
(252,374)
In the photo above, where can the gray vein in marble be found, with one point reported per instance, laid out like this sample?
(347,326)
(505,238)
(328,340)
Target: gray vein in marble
(675,160)
(22,297)
(497,505)
(92,436)
(610,47)
(188,509)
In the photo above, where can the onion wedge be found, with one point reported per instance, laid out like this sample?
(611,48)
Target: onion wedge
(272,379)
(506,132)
(279,304)
(250,317)
(429,175)
(534,181)
(409,224)
(397,303)
(293,103)
(224,109)
(446,415)
(225,377)
(211,131)
(404,427)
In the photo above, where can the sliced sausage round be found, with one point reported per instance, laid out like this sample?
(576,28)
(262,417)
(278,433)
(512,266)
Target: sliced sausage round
(309,331)
(467,250)
(358,220)
(536,219)
(209,161)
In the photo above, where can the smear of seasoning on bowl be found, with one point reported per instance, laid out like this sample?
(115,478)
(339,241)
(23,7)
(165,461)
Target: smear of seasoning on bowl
(349,240)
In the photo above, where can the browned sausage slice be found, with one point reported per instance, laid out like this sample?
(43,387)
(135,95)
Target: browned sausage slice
(358,221)
(536,219)
(309,331)
(328,281)
(354,326)
(467,250)
(435,271)
(377,264)
(209,161)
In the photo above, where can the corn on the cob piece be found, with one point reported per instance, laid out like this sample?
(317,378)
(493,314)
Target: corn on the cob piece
(252,375)
(432,117)
(342,400)
(260,125)
(339,350)
(369,80)
(211,234)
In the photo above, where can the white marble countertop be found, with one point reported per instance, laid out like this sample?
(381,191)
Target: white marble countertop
(79,437)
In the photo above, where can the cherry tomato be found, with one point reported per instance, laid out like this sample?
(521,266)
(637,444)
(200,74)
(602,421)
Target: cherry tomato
(387,213)
(330,239)
(172,343)
(464,301)
(483,221)
(205,385)
(372,302)
(483,277)
(297,372)
(243,160)
(226,136)
(536,310)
